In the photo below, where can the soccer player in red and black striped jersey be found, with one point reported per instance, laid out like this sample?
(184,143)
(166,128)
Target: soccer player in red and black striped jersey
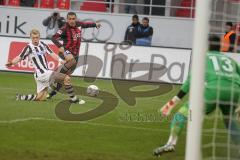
(70,33)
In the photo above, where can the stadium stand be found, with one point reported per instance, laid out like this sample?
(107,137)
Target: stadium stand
(93,6)
(47,4)
(2,2)
(63,4)
(237,28)
(14,2)
(36,4)
(187,7)
(189,11)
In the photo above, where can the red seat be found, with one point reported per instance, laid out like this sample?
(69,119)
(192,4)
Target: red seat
(93,6)
(186,12)
(187,3)
(47,4)
(36,4)
(14,2)
(63,4)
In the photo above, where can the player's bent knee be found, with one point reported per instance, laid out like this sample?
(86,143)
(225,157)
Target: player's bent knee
(69,57)
(69,64)
(67,80)
(72,62)
(179,119)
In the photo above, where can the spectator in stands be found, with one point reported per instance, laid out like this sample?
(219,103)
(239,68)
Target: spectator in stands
(27,3)
(1,2)
(228,40)
(144,33)
(53,23)
(131,30)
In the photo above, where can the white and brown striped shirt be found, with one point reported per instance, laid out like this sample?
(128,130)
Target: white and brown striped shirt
(37,55)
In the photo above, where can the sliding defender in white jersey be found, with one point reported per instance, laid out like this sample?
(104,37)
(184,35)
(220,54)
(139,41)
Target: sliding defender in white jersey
(36,52)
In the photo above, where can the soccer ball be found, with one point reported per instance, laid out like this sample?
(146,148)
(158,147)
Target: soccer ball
(92,90)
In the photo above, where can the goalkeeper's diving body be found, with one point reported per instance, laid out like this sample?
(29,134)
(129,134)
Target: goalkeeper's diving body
(222,89)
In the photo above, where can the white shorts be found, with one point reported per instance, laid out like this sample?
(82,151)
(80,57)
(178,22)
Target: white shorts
(43,80)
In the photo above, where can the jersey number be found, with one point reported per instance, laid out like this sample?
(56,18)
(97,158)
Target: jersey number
(225,65)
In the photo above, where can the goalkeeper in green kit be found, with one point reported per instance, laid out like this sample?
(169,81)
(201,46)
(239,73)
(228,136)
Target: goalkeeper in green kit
(222,89)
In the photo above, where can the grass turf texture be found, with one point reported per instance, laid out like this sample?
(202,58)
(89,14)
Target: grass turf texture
(31,130)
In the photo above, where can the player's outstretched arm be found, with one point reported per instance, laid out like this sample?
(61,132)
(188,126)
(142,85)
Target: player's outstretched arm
(167,108)
(14,61)
(25,52)
(88,24)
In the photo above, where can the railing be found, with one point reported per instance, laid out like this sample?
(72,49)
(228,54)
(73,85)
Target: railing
(166,8)
(147,9)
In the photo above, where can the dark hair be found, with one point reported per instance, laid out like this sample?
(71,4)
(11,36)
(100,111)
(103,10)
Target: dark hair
(146,19)
(71,14)
(213,43)
(229,24)
(135,16)
(55,14)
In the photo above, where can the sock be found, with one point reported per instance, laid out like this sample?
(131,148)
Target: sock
(172,140)
(54,89)
(70,91)
(57,87)
(177,125)
(29,97)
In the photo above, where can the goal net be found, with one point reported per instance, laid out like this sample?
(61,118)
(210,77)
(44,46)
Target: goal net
(216,135)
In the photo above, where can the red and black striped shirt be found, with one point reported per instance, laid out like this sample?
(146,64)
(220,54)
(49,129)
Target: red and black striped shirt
(71,36)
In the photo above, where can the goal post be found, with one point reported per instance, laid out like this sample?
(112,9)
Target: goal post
(196,101)
(215,136)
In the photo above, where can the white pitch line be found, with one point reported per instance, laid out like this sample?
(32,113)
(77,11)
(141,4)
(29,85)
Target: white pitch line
(25,120)
(86,122)
(14,89)
(90,123)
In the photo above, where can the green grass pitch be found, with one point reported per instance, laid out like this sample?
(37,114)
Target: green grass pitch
(31,130)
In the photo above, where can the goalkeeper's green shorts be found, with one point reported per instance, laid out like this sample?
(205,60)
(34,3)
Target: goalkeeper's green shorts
(225,98)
